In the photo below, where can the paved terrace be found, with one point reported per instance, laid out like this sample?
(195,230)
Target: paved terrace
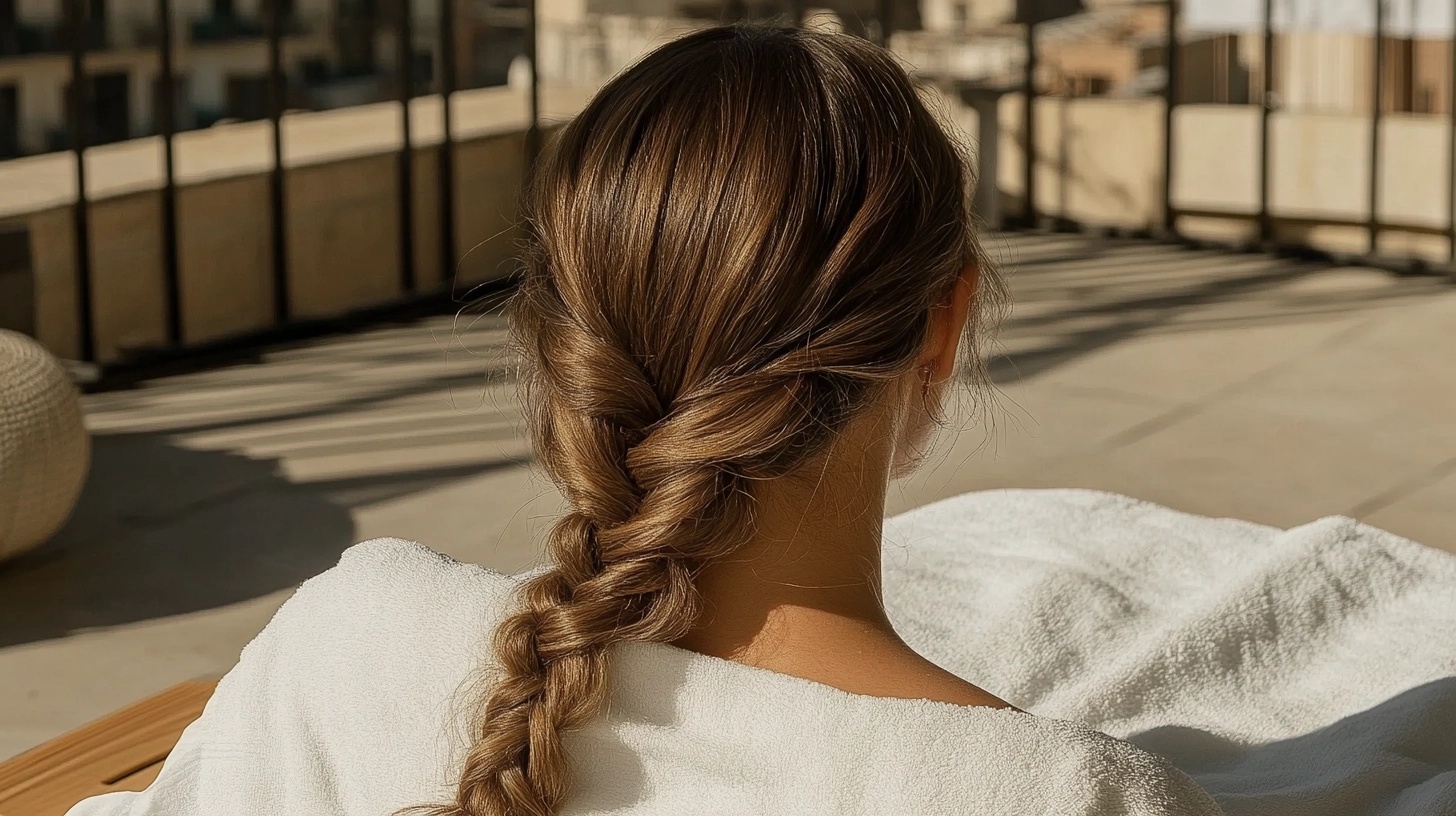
(1217,383)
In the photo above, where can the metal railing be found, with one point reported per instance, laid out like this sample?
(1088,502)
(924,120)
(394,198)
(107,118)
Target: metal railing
(76,36)
(1268,105)
(274,25)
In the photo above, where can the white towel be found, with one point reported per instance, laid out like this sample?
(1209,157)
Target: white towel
(1198,639)
(1308,671)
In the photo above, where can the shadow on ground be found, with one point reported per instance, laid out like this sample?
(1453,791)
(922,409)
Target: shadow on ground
(161,530)
(1084,296)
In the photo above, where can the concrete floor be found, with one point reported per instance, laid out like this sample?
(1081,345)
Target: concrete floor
(1230,385)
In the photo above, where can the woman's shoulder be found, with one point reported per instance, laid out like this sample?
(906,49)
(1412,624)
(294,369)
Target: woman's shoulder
(393,576)
(410,564)
(390,584)
(387,600)
(345,699)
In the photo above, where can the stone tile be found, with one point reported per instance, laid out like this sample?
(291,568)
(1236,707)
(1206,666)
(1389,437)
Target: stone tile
(1035,422)
(1426,514)
(1393,382)
(53,686)
(1239,459)
(1191,365)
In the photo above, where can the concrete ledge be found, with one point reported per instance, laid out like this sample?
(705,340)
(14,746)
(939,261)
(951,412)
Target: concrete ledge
(342,198)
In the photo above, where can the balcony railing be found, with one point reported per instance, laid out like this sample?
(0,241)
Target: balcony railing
(1159,162)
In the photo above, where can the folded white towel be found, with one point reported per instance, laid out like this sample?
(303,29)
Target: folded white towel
(1308,671)
(1198,639)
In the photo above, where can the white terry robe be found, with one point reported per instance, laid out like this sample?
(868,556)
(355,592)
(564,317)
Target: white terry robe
(355,700)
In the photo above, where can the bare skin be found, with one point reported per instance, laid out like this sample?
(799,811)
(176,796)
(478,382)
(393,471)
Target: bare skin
(803,598)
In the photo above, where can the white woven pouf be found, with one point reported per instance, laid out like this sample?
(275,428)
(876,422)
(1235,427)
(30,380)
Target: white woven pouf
(44,449)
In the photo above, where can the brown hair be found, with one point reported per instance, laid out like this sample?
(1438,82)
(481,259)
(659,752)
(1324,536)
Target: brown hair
(732,248)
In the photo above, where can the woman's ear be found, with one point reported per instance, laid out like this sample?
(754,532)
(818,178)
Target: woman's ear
(948,324)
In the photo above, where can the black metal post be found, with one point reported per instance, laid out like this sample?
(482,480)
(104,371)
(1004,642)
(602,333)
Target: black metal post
(447,144)
(80,108)
(1377,100)
(885,10)
(404,38)
(1266,106)
(533,129)
(167,98)
(1451,150)
(796,13)
(1170,101)
(277,196)
(1028,115)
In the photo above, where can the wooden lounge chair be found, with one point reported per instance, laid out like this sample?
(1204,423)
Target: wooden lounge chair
(122,751)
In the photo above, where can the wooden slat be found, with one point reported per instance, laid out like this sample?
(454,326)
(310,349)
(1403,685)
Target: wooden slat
(137,781)
(122,751)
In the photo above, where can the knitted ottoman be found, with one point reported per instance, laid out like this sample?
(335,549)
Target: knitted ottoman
(44,449)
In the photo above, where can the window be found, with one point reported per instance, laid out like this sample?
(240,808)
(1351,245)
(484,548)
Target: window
(355,29)
(180,109)
(424,72)
(9,121)
(247,97)
(95,24)
(9,31)
(111,102)
(108,110)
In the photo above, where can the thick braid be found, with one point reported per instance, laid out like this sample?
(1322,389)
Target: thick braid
(656,495)
(728,252)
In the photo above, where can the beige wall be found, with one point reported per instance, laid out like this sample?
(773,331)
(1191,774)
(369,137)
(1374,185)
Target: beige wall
(343,247)
(343,241)
(1099,163)
(486,190)
(1098,160)
(53,262)
(1317,163)
(1415,168)
(1319,177)
(1226,180)
(126,274)
(224,263)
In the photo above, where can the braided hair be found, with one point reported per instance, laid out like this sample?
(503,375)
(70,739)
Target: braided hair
(732,248)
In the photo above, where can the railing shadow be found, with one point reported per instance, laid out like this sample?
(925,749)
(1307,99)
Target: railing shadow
(220,486)
(162,530)
(1072,302)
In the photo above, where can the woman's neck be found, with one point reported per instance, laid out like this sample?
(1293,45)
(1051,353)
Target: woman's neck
(809,577)
(803,595)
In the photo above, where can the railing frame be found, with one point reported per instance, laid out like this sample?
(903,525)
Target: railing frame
(81,111)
